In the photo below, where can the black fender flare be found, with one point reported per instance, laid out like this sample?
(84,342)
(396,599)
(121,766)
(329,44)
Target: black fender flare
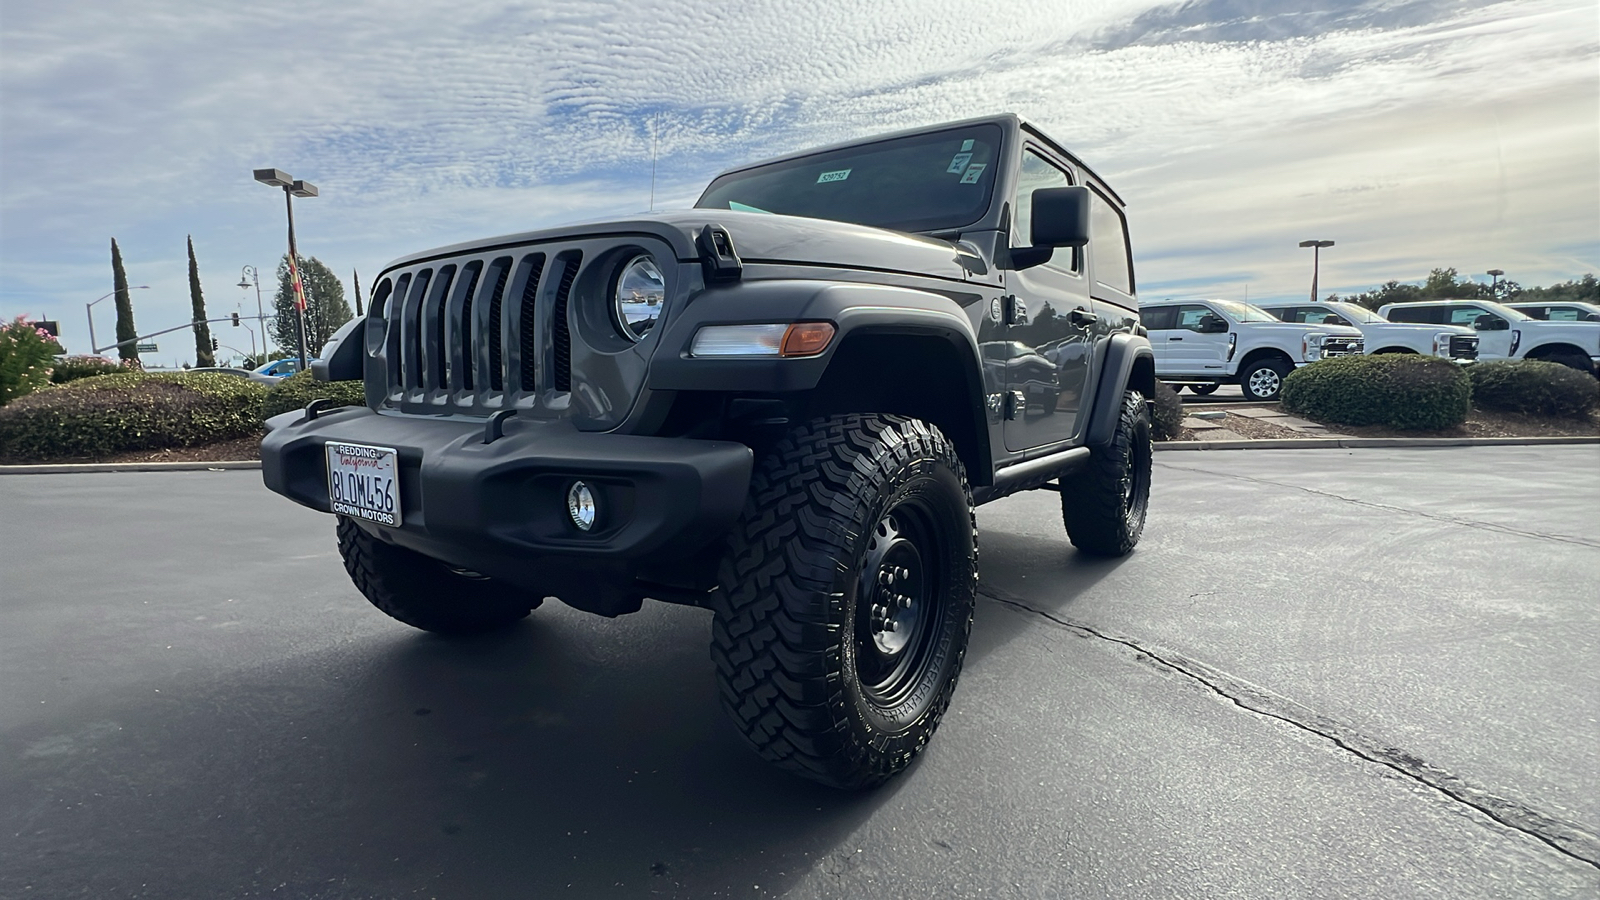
(1129,363)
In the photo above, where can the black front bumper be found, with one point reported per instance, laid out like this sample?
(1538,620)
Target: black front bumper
(499,509)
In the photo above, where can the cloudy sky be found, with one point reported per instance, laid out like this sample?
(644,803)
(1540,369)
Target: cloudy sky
(1415,133)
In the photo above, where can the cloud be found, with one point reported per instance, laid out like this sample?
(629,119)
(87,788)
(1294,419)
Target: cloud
(1415,133)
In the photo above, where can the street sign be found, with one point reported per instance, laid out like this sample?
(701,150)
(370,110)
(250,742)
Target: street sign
(147,347)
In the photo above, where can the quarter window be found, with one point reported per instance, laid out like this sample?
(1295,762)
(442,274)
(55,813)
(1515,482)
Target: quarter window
(1109,244)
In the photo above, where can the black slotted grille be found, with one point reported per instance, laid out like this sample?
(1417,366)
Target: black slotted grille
(526,321)
(500,269)
(463,325)
(560,331)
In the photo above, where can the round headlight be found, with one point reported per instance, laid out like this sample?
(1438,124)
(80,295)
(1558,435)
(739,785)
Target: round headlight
(641,291)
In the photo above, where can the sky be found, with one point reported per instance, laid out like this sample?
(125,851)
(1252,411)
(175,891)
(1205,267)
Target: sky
(1416,133)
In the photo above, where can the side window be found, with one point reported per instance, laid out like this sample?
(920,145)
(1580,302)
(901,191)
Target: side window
(1190,314)
(1560,314)
(1037,173)
(1318,316)
(1466,315)
(1158,317)
(1410,314)
(1289,314)
(1109,243)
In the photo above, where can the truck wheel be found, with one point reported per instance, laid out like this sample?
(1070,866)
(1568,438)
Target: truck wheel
(1572,361)
(1104,503)
(425,593)
(846,597)
(1203,389)
(1263,380)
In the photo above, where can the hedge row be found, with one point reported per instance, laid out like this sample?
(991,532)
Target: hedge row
(131,411)
(1426,393)
(297,390)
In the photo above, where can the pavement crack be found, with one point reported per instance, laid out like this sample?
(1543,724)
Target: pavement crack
(1567,838)
(1453,520)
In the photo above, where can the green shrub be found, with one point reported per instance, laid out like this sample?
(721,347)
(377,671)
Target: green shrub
(1533,387)
(1167,422)
(1399,390)
(73,368)
(300,388)
(95,417)
(26,354)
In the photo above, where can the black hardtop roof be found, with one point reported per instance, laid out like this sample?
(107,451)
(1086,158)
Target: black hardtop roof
(1010,122)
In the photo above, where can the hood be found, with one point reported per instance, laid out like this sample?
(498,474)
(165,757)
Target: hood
(1417,328)
(1302,328)
(758,238)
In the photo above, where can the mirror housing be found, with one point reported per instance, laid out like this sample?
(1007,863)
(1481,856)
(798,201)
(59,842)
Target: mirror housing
(1487,322)
(1212,324)
(1060,219)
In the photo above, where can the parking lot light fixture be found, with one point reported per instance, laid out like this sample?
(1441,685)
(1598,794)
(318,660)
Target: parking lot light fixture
(292,188)
(1494,286)
(1316,251)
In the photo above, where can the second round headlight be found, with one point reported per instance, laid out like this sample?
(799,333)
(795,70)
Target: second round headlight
(640,293)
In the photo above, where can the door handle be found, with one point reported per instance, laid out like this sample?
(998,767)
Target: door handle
(1081,319)
(1174,338)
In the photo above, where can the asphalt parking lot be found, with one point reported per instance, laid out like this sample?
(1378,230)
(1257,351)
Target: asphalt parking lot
(1324,673)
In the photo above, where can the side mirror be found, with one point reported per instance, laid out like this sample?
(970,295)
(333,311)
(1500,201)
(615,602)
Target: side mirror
(1060,217)
(1213,325)
(1487,322)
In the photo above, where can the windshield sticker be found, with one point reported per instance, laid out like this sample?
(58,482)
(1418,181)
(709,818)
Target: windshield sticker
(838,175)
(736,206)
(966,145)
(958,163)
(974,172)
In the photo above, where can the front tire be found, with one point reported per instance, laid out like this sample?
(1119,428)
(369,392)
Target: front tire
(425,593)
(1104,504)
(846,598)
(1263,380)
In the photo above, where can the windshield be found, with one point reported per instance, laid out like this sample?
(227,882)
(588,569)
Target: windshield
(940,181)
(1356,313)
(1502,310)
(1242,312)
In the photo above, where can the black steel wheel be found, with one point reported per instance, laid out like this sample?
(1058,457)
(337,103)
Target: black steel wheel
(846,598)
(1104,504)
(424,592)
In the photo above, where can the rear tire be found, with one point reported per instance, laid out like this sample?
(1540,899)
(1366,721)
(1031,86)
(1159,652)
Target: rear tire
(1204,389)
(846,598)
(1572,361)
(425,593)
(1104,504)
(1263,381)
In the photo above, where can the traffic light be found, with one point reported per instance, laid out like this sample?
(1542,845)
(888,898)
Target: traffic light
(214,346)
(235,319)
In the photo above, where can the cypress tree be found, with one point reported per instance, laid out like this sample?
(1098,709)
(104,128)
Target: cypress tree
(356,277)
(202,331)
(125,329)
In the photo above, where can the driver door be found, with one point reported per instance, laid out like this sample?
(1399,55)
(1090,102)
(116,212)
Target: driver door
(1191,351)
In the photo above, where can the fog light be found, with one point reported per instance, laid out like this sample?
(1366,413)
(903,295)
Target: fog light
(580,505)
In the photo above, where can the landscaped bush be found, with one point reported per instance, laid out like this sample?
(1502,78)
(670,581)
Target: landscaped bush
(95,417)
(300,388)
(1167,423)
(26,353)
(75,367)
(1399,390)
(1533,387)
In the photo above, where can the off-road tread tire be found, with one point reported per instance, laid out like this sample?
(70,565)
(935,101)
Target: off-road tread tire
(422,592)
(1094,505)
(783,622)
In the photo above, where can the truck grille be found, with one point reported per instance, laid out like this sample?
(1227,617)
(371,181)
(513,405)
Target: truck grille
(1342,346)
(1463,346)
(465,333)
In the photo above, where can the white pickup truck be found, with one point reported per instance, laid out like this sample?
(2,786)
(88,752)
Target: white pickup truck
(1206,343)
(1505,333)
(1457,342)
(1560,310)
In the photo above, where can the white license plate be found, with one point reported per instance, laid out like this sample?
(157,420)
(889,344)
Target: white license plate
(364,482)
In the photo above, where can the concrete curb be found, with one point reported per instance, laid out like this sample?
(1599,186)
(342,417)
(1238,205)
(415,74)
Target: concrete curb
(1354,443)
(67,468)
(1274,444)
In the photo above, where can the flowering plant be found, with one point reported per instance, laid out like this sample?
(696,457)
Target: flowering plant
(26,355)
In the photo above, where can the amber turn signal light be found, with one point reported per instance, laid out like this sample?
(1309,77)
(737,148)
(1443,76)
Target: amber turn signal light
(806,338)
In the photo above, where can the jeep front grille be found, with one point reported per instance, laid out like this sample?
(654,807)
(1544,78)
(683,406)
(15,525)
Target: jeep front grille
(1463,346)
(464,333)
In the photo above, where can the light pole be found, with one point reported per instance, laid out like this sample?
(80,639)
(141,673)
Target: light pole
(88,310)
(1316,254)
(292,188)
(1494,286)
(261,318)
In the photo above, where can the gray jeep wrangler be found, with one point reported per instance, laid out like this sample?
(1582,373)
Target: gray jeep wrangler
(781,405)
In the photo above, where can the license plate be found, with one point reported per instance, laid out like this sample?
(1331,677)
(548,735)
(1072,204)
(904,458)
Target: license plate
(364,482)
